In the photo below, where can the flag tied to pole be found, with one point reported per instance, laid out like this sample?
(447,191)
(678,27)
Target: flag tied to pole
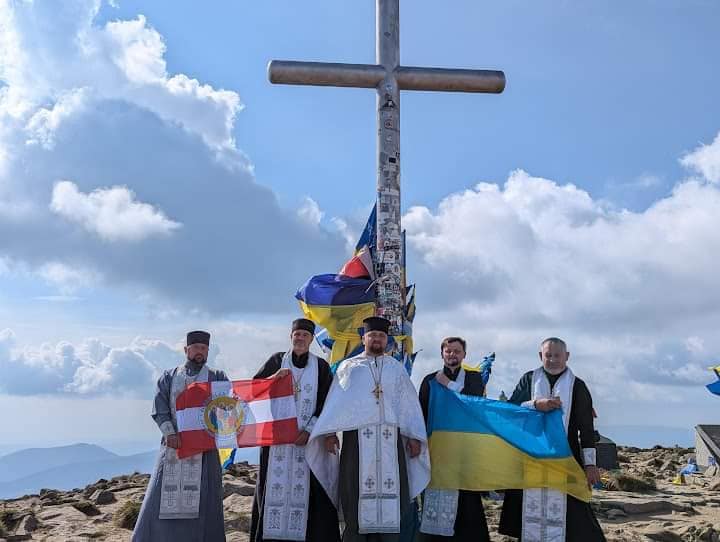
(237,414)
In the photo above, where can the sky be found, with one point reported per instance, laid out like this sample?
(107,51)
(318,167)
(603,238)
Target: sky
(153,181)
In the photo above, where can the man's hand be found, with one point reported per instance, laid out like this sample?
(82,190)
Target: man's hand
(413,447)
(593,475)
(332,443)
(281,373)
(173,441)
(302,438)
(548,404)
(441,378)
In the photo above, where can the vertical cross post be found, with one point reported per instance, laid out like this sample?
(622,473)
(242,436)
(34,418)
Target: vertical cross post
(388,77)
(388,254)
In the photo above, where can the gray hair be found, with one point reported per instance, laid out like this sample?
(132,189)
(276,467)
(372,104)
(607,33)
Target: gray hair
(554,340)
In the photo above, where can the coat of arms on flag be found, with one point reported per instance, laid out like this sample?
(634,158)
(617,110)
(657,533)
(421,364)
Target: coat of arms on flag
(238,414)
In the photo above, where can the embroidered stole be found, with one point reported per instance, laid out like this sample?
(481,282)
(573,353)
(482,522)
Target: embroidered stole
(287,482)
(181,480)
(544,510)
(439,506)
(379,479)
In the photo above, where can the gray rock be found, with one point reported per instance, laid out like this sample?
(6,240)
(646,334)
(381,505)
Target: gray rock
(647,507)
(102,496)
(239,488)
(615,513)
(662,535)
(27,525)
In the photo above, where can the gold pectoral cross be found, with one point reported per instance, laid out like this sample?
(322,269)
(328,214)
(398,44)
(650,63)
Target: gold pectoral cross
(297,389)
(377,392)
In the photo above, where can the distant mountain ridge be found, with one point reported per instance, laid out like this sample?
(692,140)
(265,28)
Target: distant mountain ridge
(26,472)
(65,467)
(31,460)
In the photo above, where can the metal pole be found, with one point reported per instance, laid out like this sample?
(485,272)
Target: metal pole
(388,255)
(450,80)
(329,74)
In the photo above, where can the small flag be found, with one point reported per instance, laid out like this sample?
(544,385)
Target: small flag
(238,414)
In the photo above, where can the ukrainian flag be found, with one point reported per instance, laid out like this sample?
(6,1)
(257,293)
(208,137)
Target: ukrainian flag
(338,303)
(477,444)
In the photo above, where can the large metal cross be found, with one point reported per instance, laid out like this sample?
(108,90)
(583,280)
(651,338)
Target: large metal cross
(388,77)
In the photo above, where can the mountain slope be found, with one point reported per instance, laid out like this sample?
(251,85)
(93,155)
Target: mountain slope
(73,475)
(29,461)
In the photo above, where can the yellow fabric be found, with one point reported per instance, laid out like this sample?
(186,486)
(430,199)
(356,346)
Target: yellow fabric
(224,453)
(481,462)
(341,321)
(342,349)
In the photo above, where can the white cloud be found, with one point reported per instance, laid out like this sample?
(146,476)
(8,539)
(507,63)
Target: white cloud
(309,212)
(705,160)
(636,294)
(694,345)
(45,121)
(141,151)
(55,55)
(90,368)
(68,279)
(111,213)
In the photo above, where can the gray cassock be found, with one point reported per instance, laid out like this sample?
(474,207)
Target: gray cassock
(209,526)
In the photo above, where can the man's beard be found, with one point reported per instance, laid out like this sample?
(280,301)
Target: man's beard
(555,370)
(375,350)
(199,359)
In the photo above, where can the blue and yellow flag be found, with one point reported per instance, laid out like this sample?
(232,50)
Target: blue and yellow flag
(487,445)
(338,303)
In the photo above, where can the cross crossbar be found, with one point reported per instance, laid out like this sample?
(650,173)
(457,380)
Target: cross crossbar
(330,74)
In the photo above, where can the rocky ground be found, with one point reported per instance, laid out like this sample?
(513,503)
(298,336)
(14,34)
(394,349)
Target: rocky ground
(639,503)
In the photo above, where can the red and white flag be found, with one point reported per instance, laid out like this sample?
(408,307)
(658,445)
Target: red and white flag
(238,414)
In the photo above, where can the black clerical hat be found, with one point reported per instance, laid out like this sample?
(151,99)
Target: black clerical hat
(202,337)
(304,324)
(376,323)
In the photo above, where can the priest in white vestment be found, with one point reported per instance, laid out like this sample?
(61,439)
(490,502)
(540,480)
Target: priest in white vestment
(383,462)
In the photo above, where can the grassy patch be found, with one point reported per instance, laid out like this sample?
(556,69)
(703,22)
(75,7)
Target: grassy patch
(127,515)
(7,519)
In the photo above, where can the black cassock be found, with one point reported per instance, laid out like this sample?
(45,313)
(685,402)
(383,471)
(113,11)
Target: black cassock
(470,522)
(322,525)
(582,525)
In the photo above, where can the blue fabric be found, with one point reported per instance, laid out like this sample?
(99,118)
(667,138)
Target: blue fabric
(714,387)
(540,435)
(333,289)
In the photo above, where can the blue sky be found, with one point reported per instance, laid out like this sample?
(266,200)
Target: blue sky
(152,180)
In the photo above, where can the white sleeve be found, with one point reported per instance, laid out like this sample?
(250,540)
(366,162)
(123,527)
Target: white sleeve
(310,424)
(167,429)
(529,404)
(454,386)
(589,456)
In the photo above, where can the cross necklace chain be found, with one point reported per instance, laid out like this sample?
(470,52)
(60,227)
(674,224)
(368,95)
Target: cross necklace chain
(297,388)
(376,374)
